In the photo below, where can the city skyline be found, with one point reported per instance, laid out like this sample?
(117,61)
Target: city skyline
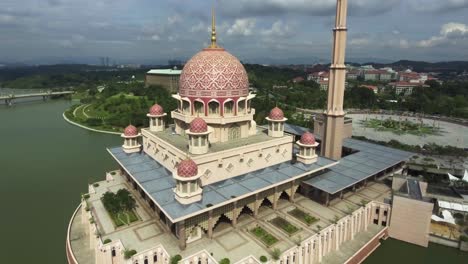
(258,31)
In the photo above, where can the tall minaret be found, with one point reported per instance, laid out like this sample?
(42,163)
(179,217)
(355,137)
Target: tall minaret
(334,115)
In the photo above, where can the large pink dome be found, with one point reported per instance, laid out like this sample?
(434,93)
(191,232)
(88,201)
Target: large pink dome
(214,73)
(187,168)
(276,114)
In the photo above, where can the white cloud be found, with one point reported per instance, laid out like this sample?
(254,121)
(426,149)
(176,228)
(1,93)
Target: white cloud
(360,41)
(437,5)
(174,19)
(155,37)
(449,33)
(278,29)
(242,27)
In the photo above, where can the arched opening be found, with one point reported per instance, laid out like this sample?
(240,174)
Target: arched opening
(245,213)
(198,108)
(240,107)
(248,106)
(213,108)
(186,107)
(222,224)
(284,196)
(266,204)
(229,108)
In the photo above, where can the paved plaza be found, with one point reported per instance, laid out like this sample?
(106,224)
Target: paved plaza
(228,241)
(452,135)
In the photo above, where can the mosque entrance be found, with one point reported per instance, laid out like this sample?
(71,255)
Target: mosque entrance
(234,132)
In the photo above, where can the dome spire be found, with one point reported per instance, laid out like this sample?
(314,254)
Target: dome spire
(213,28)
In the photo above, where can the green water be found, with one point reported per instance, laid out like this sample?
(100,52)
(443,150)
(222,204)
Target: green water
(45,164)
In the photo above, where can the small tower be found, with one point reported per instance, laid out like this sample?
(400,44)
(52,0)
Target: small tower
(188,188)
(198,136)
(276,121)
(156,118)
(131,144)
(307,146)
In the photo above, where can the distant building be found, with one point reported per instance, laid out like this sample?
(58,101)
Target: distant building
(167,78)
(298,79)
(353,74)
(405,87)
(373,88)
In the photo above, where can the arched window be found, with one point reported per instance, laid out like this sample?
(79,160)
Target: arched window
(240,107)
(229,108)
(113,252)
(155,257)
(186,107)
(213,108)
(198,108)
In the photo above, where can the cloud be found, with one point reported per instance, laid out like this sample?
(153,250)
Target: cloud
(248,8)
(278,29)
(438,5)
(242,27)
(449,33)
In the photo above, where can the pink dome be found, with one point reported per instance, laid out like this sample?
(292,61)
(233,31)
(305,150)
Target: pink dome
(187,168)
(156,110)
(131,131)
(214,73)
(307,138)
(198,125)
(276,114)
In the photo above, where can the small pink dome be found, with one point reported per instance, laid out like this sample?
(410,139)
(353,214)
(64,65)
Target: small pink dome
(307,138)
(198,125)
(276,114)
(156,110)
(130,131)
(187,168)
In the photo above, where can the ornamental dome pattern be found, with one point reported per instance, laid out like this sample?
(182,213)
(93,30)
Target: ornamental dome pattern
(276,114)
(198,125)
(131,131)
(307,139)
(187,168)
(213,73)
(156,110)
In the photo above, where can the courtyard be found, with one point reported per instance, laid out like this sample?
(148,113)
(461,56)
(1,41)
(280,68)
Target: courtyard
(228,241)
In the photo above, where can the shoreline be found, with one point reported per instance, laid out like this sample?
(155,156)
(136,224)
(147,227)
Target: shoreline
(88,128)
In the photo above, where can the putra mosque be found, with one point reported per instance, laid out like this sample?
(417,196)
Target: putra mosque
(214,166)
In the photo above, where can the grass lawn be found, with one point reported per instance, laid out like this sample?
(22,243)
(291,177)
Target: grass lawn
(266,238)
(123,218)
(303,216)
(284,225)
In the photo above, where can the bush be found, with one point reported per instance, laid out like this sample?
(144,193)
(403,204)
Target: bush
(129,253)
(95,184)
(86,196)
(464,238)
(275,254)
(175,259)
(263,259)
(107,240)
(457,216)
(225,261)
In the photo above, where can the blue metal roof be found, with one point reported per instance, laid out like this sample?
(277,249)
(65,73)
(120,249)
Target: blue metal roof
(159,183)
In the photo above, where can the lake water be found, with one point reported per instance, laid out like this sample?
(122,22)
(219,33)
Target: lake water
(45,164)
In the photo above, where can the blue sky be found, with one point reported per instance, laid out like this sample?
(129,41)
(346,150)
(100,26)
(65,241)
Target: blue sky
(153,31)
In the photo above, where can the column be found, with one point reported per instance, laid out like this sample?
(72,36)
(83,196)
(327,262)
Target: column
(256,205)
(182,238)
(381,216)
(210,224)
(234,214)
(291,197)
(320,248)
(366,218)
(327,201)
(352,227)
(275,198)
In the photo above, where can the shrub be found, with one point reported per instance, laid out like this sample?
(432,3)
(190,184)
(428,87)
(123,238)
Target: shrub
(129,253)
(275,254)
(86,196)
(96,184)
(263,259)
(464,238)
(175,259)
(225,261)
(107,240)
(457,216)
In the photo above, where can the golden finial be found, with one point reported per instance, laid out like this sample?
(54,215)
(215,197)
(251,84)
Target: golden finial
(213,28)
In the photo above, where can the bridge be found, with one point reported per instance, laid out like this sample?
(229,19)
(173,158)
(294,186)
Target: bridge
(8,98)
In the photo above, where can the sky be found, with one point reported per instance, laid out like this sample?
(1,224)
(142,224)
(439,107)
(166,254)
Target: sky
(255,31)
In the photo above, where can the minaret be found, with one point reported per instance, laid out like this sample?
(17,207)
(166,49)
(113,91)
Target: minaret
(334,116)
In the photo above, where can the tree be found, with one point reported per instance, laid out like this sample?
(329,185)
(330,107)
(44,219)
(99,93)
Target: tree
(127,202)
